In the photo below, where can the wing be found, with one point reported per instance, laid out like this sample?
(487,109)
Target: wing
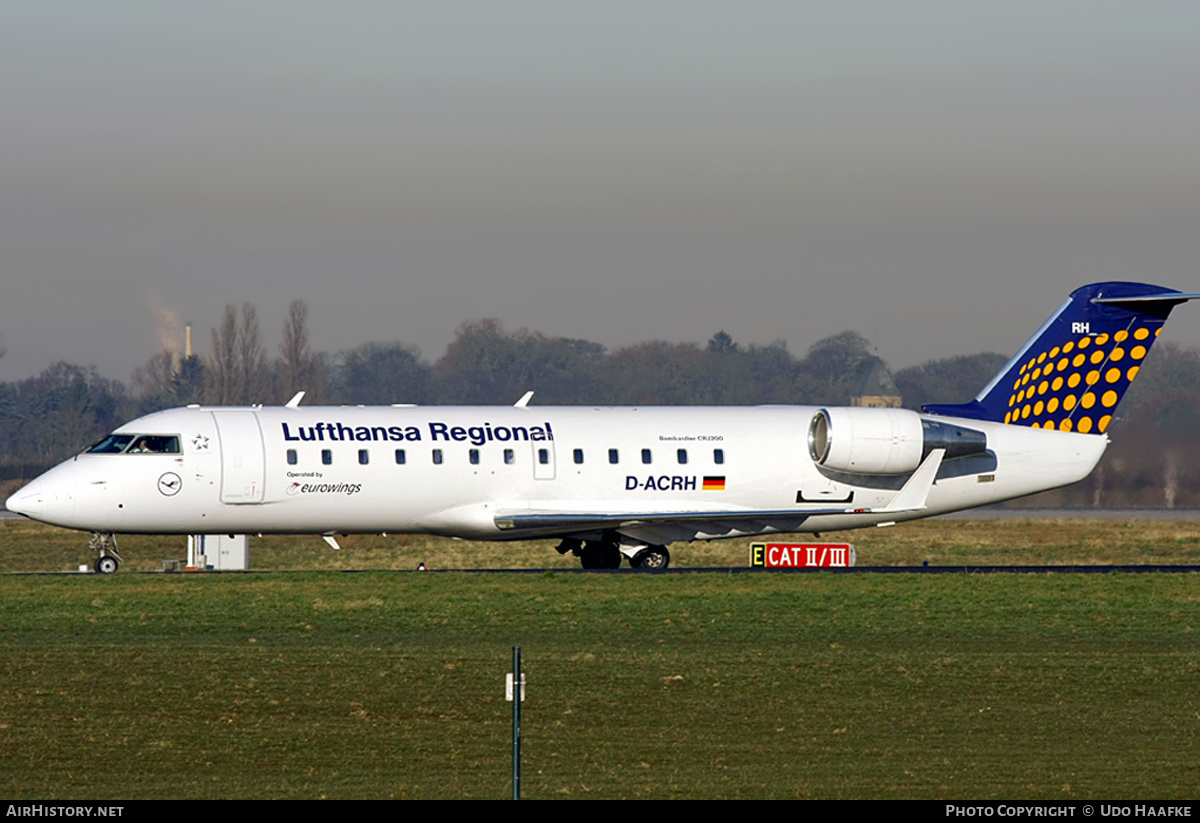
(665,526)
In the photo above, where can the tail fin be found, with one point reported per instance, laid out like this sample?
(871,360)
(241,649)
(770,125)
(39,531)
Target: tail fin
(1074,371)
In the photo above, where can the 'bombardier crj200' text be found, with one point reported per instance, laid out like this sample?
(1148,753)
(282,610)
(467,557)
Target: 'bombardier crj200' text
(617,482)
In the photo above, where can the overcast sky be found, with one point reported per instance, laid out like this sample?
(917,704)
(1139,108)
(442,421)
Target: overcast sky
(934,175)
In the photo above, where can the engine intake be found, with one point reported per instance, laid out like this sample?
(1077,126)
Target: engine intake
(885,441)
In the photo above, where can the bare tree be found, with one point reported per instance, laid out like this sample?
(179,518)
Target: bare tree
(155,376)
(298,368)
(221,386)
(253,376)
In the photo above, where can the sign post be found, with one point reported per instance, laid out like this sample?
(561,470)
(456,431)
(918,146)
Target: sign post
(516,693)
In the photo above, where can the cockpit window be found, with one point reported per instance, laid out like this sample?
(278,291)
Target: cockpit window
(155,444)
(113,444)
(137,444)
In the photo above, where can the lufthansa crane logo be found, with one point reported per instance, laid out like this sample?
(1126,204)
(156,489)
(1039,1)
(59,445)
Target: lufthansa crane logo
(170,484)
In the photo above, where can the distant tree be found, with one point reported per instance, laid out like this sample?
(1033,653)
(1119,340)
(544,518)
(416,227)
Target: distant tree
(187,386)
(768,374)
(252,359)
(485,364)
(298,368)
(10,423)
(380,373)
(566,370)
(63,409)
(658,373)
(829,372)
(221,384)
(152,382)
(721,343)
(952,380)
(479,365)
(1154,459)
(236,372)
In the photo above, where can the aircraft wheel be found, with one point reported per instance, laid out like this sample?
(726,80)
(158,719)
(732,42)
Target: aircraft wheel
(651,559)
(106,565)
(600,556)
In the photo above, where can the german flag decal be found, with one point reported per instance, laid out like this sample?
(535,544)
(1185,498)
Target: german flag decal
(714,484)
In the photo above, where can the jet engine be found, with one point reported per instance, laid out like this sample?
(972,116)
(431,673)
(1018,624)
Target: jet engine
(885,441)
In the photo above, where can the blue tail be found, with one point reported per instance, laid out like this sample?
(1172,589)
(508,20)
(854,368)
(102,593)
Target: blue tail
(1072,374)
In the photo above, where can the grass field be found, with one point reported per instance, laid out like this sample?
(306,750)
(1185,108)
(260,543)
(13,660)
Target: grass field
(323,684)
(26,546)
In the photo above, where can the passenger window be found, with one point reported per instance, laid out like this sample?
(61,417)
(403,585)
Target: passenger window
(645,455)
(509,457)
(682,455)
(363,457)
(474,454)
(327,457)
(292,459)
(579,455)
(612,455)
(544,456)
(400,457)
(718,456)
(437,457)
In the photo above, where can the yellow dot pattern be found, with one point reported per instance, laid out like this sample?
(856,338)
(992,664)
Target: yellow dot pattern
(1076,386)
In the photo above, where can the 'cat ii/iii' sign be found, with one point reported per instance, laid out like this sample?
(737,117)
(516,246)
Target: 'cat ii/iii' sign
(801,555)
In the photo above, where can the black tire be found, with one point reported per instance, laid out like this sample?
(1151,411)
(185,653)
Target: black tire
(107,565)
(652,559)
(600,556)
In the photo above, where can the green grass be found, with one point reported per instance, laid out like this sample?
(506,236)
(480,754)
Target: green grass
(323,684)
(27,546)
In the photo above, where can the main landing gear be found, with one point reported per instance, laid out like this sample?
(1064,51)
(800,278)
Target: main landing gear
(108,559)
(606,553)
(651,559)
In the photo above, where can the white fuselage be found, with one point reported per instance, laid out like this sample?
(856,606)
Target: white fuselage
(459,470)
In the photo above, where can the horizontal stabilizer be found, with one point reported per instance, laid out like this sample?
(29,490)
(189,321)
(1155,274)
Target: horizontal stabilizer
(1156,305)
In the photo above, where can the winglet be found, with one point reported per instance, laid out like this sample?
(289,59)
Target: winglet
(294,403)
(524,401)
(912,497)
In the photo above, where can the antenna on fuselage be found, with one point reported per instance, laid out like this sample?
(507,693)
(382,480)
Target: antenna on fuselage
(524,401)
(294,403)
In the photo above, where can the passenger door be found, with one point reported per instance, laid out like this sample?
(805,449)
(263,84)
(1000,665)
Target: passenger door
(243,464)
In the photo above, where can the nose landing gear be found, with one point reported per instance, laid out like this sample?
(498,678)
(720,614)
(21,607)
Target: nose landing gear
(108,559)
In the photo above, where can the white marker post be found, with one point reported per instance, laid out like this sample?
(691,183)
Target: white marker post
(515,676)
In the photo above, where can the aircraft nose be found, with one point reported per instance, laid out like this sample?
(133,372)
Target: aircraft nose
(48,498)
(28,501)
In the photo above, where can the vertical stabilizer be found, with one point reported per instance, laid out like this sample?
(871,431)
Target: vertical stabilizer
(1074,371)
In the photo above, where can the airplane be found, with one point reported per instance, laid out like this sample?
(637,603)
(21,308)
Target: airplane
(615,483)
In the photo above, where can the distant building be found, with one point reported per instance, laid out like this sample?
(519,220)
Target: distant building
(875,387)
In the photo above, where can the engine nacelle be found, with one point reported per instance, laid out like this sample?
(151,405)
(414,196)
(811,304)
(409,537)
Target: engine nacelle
(885,441)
